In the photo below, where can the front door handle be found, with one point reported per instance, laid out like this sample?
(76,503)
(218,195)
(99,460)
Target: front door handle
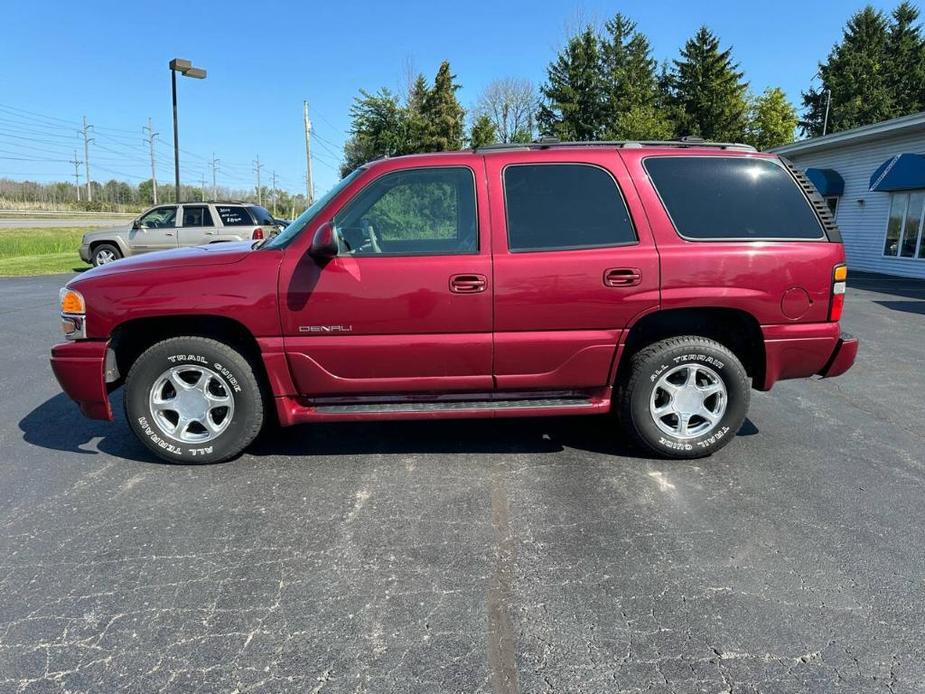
(468,284)
(622,277)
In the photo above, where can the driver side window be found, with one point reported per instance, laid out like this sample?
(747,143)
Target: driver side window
(160,218)
(415,212)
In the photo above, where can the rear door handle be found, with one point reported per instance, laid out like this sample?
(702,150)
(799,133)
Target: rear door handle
(468,284)
(622,277)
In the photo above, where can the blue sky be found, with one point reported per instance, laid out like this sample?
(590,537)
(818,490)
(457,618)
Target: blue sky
(108,61)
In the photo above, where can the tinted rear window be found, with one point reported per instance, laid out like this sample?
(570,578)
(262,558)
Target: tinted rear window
(233,215)
(560,206)
(264,218)
(732,198)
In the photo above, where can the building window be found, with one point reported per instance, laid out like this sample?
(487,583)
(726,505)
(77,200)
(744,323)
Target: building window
(904,227)
(832,202)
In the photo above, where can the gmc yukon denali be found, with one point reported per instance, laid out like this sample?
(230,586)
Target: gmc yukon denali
(660,281)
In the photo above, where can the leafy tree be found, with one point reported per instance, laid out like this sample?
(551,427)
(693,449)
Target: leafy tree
(630,84)
(380,128)
(573,106)
(431,120)
(905,52)
(442,113)
(643,122)
(509,104)
(857,76)
(707,92)
(146,192)
(772,120)
(483,132)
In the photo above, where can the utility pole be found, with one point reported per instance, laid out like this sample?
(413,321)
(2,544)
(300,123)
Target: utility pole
(274,193)
(309,184)
(828,104)
(150,140)
(215,162)
(76,162)
(85,131)
(257,167)
(202,187)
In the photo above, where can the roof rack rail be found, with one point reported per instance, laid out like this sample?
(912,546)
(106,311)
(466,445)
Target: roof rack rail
(550,142)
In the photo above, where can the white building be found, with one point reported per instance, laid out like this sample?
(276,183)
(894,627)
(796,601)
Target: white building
(873,178)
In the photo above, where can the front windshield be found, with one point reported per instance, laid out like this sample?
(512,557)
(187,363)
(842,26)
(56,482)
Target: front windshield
(285,237)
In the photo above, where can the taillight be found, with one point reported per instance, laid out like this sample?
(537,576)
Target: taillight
(258,234)
(839,284)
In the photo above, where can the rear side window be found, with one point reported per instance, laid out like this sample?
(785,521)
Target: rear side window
(264,218)
(196,216)
(233,215)
(564,206)
(712,198)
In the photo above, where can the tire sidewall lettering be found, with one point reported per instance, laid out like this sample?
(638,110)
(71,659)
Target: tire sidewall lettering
(716,435)
(656,365)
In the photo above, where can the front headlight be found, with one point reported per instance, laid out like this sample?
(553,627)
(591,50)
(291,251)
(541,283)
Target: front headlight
(73,314)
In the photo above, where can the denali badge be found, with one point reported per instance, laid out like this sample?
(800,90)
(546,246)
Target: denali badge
(325,328)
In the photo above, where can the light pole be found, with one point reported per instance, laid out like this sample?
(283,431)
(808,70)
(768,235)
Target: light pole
(184,67)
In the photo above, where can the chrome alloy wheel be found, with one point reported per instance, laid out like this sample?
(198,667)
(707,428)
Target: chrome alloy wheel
(105,256)
(191,404)
(688,401)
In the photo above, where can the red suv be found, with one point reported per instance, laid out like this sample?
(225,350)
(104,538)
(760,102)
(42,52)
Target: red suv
(660,281)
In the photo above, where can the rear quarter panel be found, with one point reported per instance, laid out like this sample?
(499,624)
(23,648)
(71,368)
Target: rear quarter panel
(777,282)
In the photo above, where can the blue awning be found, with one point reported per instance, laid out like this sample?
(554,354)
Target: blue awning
(827,181)
(903,172)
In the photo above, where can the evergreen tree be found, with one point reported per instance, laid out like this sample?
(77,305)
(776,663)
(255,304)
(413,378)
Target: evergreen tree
(630,84)
(857,76)
(483,132)
(443,114)
(772,120)
(905,51)
(417,126)
(707,91)
(573,105)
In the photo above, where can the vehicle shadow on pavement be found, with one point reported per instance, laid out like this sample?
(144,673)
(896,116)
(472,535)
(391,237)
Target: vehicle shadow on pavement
(57,425)
(904,306)
(599,434)
(905,287)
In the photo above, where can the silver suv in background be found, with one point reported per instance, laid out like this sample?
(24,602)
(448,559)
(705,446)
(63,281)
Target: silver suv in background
(173,226)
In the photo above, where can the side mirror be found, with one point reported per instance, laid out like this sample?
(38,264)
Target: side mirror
(136,224)
(324,244)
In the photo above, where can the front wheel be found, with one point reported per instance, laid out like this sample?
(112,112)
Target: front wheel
(193,400)
(686,397)
(105,253)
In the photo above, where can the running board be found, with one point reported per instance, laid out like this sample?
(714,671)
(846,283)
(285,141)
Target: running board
(292,410)
(443,406)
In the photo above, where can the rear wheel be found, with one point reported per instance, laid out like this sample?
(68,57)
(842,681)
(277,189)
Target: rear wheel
(194,400)
(105,253)
(686,397)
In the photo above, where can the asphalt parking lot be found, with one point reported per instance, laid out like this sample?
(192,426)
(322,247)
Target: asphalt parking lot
(523,555)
